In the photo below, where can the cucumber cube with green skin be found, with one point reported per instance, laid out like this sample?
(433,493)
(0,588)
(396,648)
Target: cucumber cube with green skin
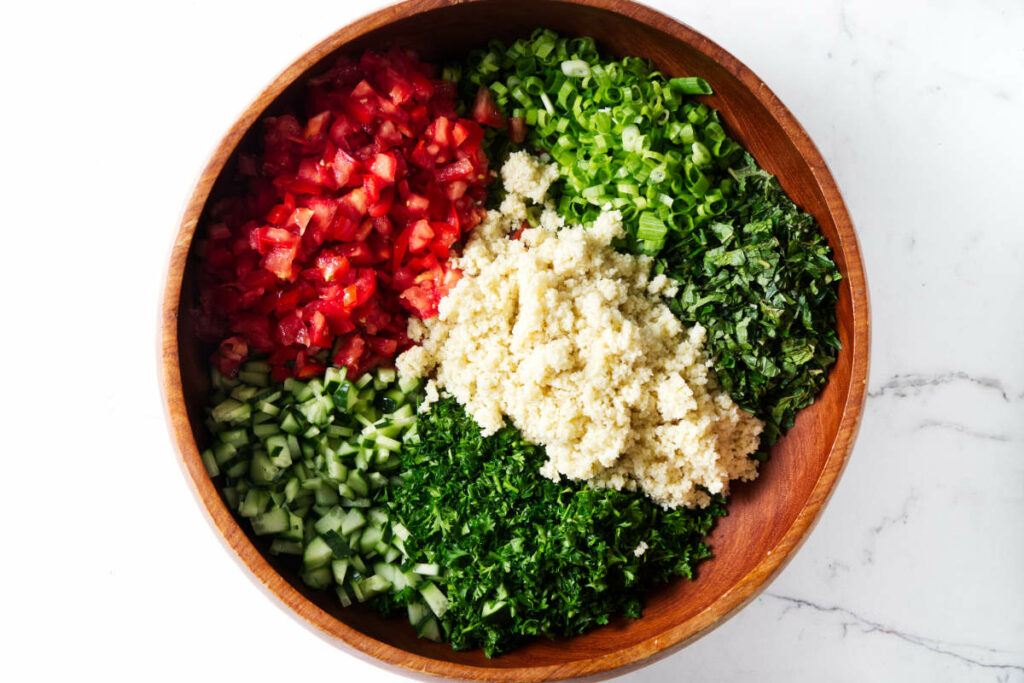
(273,521)
(434,598)
(353,521)
(318,578)
(317,554)
(330,521)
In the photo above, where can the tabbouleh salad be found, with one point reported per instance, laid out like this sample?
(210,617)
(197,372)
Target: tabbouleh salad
(492,338)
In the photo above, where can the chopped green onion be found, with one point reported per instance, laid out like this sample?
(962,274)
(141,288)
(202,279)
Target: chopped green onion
(691,85)
(575,68)
(651,227)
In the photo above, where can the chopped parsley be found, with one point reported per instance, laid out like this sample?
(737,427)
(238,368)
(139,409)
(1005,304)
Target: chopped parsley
(525,556)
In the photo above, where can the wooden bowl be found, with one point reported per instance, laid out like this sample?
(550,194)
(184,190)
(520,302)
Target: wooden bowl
(767,518)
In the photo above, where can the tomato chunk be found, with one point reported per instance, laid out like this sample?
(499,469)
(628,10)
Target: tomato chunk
(485,109)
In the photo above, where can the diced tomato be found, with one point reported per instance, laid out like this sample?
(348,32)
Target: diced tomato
(420,236)
(319,333)
(420,300)
(382,345)
(332,264)
(517,129)
(417,204)
(299,219)
(384,166)
(349,354)
(345,169)
(485,109)
(456,171)
(231,353)
(440,131)
(349,222)
(358,254)
(467,135)
(316,127)
(354,204)
(383,204)
(312,171)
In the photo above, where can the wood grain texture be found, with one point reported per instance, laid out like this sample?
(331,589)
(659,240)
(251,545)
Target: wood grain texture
(768,518)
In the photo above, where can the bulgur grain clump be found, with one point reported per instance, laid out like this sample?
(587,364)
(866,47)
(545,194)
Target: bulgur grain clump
(570,340)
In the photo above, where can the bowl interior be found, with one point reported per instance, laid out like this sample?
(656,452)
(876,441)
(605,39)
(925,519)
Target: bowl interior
(761,513)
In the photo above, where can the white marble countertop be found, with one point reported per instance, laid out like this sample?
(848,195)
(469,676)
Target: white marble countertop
(915,571)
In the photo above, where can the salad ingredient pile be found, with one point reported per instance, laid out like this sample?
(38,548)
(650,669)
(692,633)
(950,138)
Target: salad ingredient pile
(526,556)
(569,339)
(343,225)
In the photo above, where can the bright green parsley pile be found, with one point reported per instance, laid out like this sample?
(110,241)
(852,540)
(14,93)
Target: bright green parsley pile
(525,556)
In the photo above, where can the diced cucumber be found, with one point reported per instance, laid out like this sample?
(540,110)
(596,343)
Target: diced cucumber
(273,521)
(302,460)
(357,564)
(358,483)
(408,384)
(378,516)
(257,366)
(299,389)
(245,393)
(291,424)
(224,453)
(267,407)
(370,538)
(262,431)
(402,414)
(235,437)
(493,611)
(335,469)
(278,450)
(387,443)
(325,495)
(330,521)
(210,463)
(418,613)
(373,586)
(343,596)
(318,578)
(339,568)
(339,432)
(254,503)
(279,546)
(259,379)
(291,489)
(262,470)
(317,554)
(434,598)
(430,630)
(236,468)
(295,530)
(353,521)
(231,411)
(333,378)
